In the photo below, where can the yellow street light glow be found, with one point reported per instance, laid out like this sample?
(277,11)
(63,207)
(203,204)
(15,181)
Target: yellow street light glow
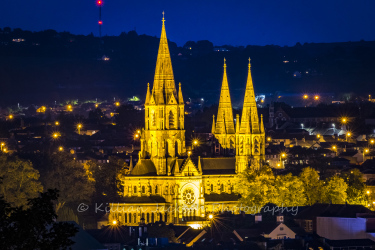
(278,164)
(316,97)
(5,150)
(117,104)
(368,191)
(55,135)
(2,144)
(10,116)
(96,105)
(138,131)
(57,123)
(61,148)
(348,134)
(283,155)
(268,138)
(136,135)
(334,147)
(195,142)
(372,141)
(305,96)
(366,150)
(114,222)
(318,135)
(344,120)
(189,153)
(79,126)
(210,216)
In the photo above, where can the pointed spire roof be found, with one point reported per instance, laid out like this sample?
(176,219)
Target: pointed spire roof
(261,124)
(224,122)
(164,84)
(180,98)
(249,110)
(147,101)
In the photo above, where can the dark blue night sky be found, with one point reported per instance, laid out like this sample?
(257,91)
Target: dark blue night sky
(222,22)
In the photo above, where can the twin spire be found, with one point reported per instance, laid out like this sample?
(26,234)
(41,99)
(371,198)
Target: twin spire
(249,119)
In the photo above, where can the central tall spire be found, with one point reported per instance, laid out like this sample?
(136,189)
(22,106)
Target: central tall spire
(164,85)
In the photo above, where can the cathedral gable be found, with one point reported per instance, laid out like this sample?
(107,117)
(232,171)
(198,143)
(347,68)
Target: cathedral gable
(189,168)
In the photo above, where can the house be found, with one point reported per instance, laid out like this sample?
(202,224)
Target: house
(307,218)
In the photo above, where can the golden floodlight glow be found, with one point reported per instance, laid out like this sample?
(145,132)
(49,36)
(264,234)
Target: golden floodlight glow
(61,148)
(96,105)
(195,142)
(316,97)
(348,134)
(189,153)
(5,150)
(55,135)
(210,216)
(11,116)
(318,135)
(305,96)
(268,138)
(283,155)
(334,147)
(372,141)
(117,104)
(366,150)
(368,191)
(114,222)
(138,131)
(57,123)
(136,136)
(344,120)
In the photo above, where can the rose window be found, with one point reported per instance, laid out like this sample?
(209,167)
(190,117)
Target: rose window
(188,196)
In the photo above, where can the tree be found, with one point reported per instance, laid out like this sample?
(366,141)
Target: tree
(70,178)
(34,227)
(290,191)
(19,181)
(335,190)
(257,188)
(107,176)
(356,191)
(313,186)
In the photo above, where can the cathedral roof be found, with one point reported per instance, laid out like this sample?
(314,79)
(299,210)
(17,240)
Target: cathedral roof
(144,167)
(218,166)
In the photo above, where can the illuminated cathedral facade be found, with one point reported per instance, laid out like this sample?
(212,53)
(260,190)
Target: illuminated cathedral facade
(167,184)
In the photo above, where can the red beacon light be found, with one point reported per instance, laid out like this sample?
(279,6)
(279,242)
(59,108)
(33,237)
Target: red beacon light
(99,2)
(100,22)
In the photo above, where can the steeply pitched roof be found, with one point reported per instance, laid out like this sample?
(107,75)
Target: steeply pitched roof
(331,210)
(217,166)
(144,167)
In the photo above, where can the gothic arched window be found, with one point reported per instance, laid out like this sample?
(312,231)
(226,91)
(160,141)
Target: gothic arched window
(135,189)
(143,189)
(171,119)
(153,118)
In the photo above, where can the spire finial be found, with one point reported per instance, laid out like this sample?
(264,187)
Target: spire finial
(148,85)
(179,84)
(249,62)
(225,64)
(163,17)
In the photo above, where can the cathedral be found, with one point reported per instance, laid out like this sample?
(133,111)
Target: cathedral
(167,183)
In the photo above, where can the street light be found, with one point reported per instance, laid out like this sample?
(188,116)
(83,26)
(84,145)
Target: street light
(10,116)
(57,123)
(282,155)
(334,148)
(2,145)
(305,96)
(79,126)
(61,148)
(348,134)
(55,135)
(365,151)
(344,120)
(318,136)
(316,97)
(269,139)
(117,104)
